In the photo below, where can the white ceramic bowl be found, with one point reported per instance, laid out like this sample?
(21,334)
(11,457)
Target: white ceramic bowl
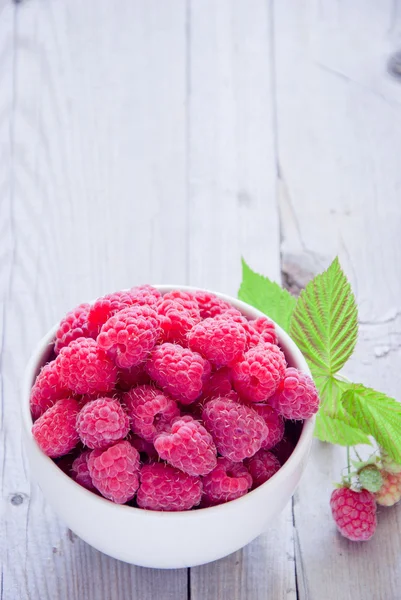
(162,539)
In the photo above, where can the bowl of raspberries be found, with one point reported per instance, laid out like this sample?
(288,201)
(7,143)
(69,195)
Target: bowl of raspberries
(167,426)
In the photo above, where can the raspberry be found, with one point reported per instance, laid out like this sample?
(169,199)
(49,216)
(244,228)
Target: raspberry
(296,396)
(74,325)
(283,450)
(128,378)
(210,305)
(150,413)
(257,376)
(388,463)
(228,480)
(265,328)
(187,300)
(238,431)
(390,491)
(114,471)
(189,447)
(165,488)
(46,389)
(109,305)
(55,430)
(145,294)
(274,422)
(262,466)
(354,513)
(145,449)
(179,371)
(130,335)
(80,471)
(219,384)
(220,341)
(370,478)
(102,422)
(85,368)
(176,320)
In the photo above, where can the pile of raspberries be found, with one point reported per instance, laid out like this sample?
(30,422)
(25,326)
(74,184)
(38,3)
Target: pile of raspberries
(167,402)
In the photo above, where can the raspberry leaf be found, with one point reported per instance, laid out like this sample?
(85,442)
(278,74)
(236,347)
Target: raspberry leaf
(339,430)
(376,415)
(267,296)
(325,321)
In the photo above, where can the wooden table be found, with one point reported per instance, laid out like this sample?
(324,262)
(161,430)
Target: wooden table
(158,141)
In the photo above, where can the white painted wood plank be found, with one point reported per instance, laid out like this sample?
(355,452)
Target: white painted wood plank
(339,143)
(233,212)
(99,179)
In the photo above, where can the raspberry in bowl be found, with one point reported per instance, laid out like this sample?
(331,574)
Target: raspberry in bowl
(168,426)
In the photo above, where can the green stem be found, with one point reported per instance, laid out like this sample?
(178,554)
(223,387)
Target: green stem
(356,452)
(348,465)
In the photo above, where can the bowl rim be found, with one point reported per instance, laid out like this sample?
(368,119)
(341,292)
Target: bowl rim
(288,467)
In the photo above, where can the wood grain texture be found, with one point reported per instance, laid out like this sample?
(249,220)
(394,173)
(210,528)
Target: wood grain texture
(233,212)
(339,143)
(99,203)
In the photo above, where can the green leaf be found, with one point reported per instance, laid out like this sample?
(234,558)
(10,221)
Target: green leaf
(325,321)
(377,415)
(267,296)
(339,430)
(330,390)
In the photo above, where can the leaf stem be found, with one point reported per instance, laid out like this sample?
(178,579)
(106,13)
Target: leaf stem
(348,465)
(356,452)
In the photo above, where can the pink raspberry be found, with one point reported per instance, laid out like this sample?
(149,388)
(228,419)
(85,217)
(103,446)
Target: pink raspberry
(296,396)
(150,414)
(354,513)
(219,384)
(390,491)
(262,466)
(85,368)
(165,488)
(129,378)
(47,389)
(80,471)
(283,450)
(186,299)
(265,328)
(210,305)
(228,480)
(102,422)
(145,449)
(74,325)
(257,376)
(274,422)
(179,371)
(130,335)
(188,447)
(221,341)
(238,431)
(115,471)
(145,294)
(55,430)
(176,320)
(109,305)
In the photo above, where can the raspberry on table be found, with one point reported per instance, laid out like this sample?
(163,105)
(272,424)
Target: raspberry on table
(221,341)
(107,306)
(130,335)
(238,431)
(47,389)
(176,319)
(102,422)
(296,396)
(265,328)
(257,375)
(262,466)
(72,326)
(115,471)
(55,431)
(218,384)
(274,422)
(80,471)
(354,513)
(188,447)
(178,371)
(85,368)
(163,487)
(390,491)
(210,305)
(150,413)
(228,480)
